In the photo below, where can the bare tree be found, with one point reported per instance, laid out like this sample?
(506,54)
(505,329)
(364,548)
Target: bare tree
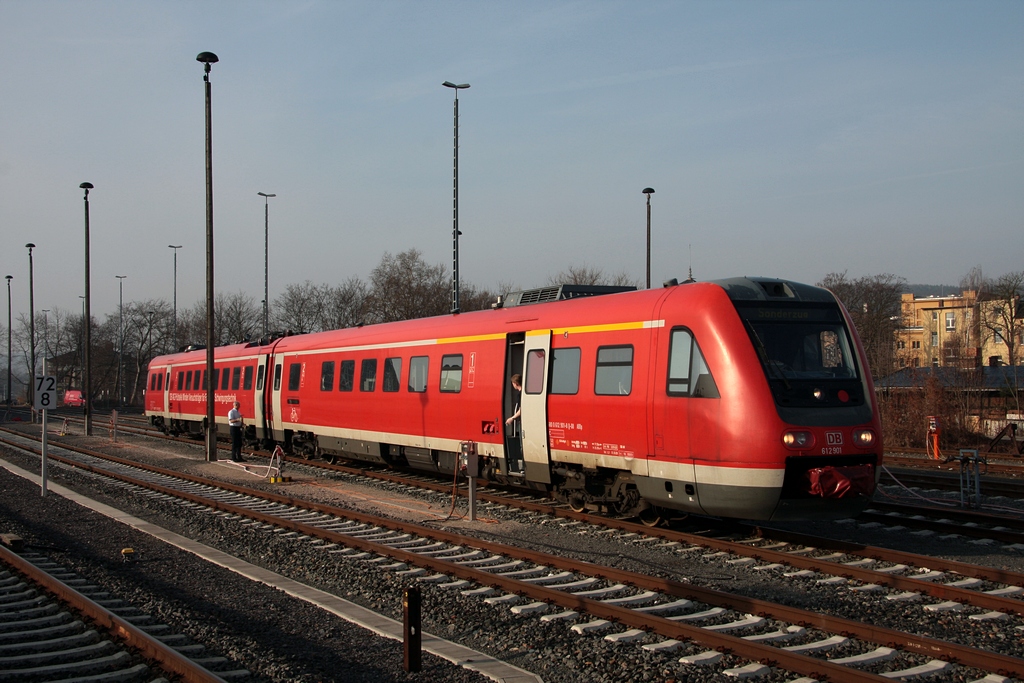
(404,287)
(1002,322)
(299,308)
(344,305)
(589,275)
(874,305)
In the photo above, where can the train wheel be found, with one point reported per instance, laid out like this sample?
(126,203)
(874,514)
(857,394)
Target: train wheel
(577,502)
(650,516)
(330,458)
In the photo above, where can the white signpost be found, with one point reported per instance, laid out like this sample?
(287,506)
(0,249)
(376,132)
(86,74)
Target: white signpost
(45,398)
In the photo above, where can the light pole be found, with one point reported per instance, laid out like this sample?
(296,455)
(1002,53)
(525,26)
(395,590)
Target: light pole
(208,58)
(81,358)
(9,278)
(87,369)
(31,333)
(266,259)
(120,339)
(648,191)
(455,199)
(174,315)
(46,337)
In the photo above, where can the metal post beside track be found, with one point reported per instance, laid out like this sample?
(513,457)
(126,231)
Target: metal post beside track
(411,634)
(970,477)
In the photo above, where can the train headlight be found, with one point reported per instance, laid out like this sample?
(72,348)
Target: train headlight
(865,438)
(798,440)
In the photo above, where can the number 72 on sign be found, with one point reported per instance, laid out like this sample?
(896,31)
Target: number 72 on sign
(45,393)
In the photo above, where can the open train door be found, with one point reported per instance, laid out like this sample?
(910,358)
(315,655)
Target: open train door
(537,358)
(259,417)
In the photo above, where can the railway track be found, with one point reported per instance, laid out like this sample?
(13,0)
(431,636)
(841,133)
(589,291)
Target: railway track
(57,626)
(578,588)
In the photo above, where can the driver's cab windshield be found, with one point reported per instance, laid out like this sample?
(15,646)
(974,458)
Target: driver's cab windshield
(796,343)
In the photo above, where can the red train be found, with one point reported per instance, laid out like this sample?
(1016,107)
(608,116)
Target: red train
(745,398)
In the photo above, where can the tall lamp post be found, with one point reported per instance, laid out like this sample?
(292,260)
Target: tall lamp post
(266,259)
(31,333)
(648,191)
(455,199)
(120,339)
(9,278)
(46,337)
(208,58)
(87,370)
(174,315)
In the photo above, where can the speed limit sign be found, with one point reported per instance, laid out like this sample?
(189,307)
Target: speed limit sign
(46,393)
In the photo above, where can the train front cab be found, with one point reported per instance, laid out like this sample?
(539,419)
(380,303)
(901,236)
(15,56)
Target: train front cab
(768,415)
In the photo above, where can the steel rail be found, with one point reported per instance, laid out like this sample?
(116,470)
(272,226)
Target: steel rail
(939,591)
(953,652)
(133,637)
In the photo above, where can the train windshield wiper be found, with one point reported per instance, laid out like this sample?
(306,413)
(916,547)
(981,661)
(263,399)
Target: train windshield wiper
(770,366)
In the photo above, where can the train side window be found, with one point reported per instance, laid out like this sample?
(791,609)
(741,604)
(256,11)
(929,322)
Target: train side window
(216,378)
(392,374)
(236,376)
(348,375)
(534,371)
(368,375)
(703,383)
(247,378)
(188,381)
(614,372)
(261,371)
(294,376)
(418,366)
(327,375)
(565,371)
(181,379)
(277,377)
(160,381)
(225,378)
(688,374)
(152,382)
(451,374)
(679,357)
(201,373)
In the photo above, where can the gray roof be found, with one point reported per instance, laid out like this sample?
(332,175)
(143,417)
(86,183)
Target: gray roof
(985,378)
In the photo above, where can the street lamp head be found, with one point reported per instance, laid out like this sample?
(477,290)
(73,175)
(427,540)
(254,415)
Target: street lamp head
(461,86)
(120,277)
(86,186)
(174,246)
(9,278)
(30,246)
(264,194)
(648,191)
(207,58)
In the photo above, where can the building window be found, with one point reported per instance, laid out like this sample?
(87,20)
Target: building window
(418,366)
(950,322)
(368,375)
(614,373)
(392,374)
(451,373)
(997,335)
(935,338)
(915,344)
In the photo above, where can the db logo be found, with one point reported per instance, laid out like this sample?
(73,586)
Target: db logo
(834,438)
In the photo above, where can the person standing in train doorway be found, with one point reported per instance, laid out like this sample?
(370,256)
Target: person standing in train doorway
(515,456)
(235,422)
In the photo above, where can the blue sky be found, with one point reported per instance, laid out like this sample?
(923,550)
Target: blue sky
(786,139)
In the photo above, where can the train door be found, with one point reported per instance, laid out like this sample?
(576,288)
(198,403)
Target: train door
(259,399)
(537,358)
(514,463)
(274,417)
(167,393)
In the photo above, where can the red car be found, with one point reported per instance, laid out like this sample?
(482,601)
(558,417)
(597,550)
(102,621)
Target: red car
(73,398)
